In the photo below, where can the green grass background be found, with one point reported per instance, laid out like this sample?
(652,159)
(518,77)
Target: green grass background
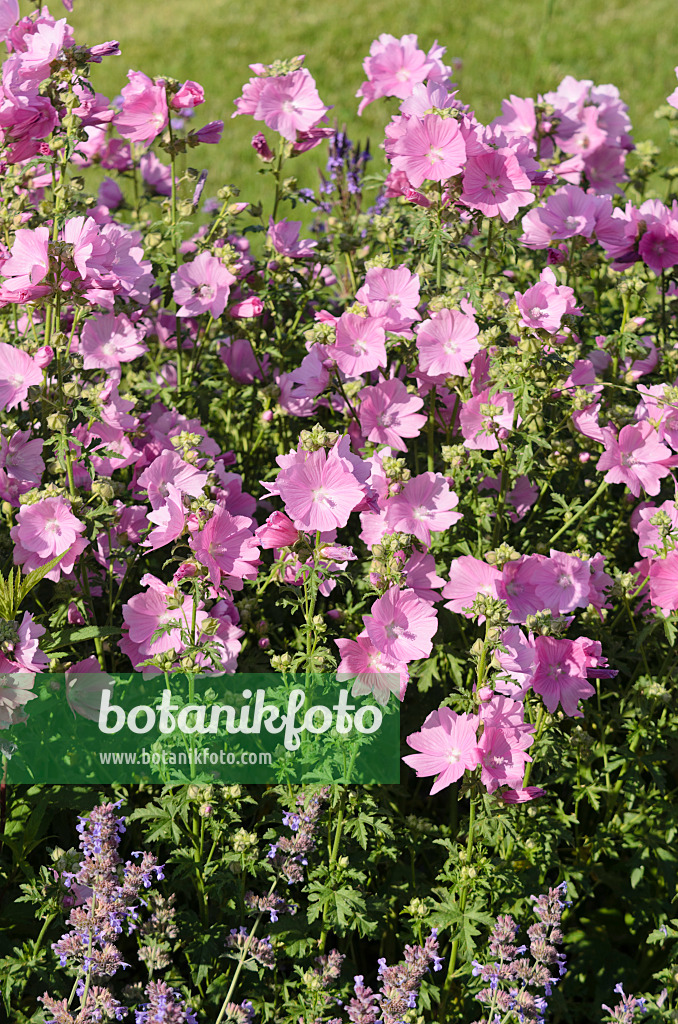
(519,46)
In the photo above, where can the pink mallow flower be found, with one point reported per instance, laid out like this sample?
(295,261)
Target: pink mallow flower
(144,111)
(487,419)
(371,670)
(44,530)
(169,520)
(401,625)
(18,372)
(289,103)
(202,286)
(360,345)
(425,504)
(169,469)
(228,548)
(664,583)
(469,577)
(15,693)
(107,341)
(447,343)
(543,306)
(388,413)
(392,295)
(430,149)
(24,654)
(560,674)
(447,745)
(636,458)
(395,66)
(562,582)
(319,492)
(495,184)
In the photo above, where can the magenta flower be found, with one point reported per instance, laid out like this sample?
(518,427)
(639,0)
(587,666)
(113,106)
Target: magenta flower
(469,577)
(360,345)
(388,413)
(562,582)
(202,286)
(228,548)
(210,133)
(503,757)
(446,343)
(144,111)
(401,625)
(430,149)
(44,530)
(447,745)
(425,504)
(370,669)
(636,458)
(107,341)
(495,184)
(289,103)
(320,492)
(485,419)
(24,654)
(18,372)
(543,306)
(284,237)
(189,95)
(277,532)
(560,674)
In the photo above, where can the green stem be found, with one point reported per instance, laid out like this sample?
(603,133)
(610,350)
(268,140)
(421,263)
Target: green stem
(539,728)
(577,515)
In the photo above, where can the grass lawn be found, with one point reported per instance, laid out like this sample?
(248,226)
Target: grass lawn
(506,47)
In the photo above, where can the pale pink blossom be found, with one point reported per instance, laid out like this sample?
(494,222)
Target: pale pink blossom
(44,530)
(168,519)
(391,295)
(106,341)
(371,670)
(144,111)
(447,343)
(664,583)
(388,413)
(202,286)
(430,149)
(401,625)
(486,419)
(425,504)
(170,469)
(360,345)
(636,458)
(319,492)
(469,577)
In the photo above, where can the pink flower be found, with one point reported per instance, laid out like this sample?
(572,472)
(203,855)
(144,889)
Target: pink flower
(392,296)
(18,372)
(202,286)
(228,548)
(503,757)
(284,237)
(210,134)
(401,625)
(562,582)
(360,345)
(15,693)
(672,100)
(189,95)
(543,306)
(241,361)
(447,746)
(560,674)
(469,577)
(144,613)
(430,149)
(394,67)
(319,492)
(517,659)
(289,103)
(107,341)
(277,532)
(495,184)
(664,583)
(21,458)
(44,530)
(144,111)
(388,413)
(522,796)
(24,654)
(169,520)
(371,670)
(29,260)
(518,588)
(425,504)
(636,458)
(446,343)
(170,469)
(421,576)
(568,212)
(486,419)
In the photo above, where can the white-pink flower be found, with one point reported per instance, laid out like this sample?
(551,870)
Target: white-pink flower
(401,625)
(425,504)
(446,343)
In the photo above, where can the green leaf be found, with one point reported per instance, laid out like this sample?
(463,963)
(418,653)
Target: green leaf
(24,587)
(75,634)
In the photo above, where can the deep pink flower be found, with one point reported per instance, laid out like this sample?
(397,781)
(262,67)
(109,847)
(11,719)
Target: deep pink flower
(401,625)
(568,212)
(169,520)
(636,458)
(447,745)
(425,504)
(543,306)
(388,413)
(391,295)
(370,669)
(210,133)
(664,583)
(517,659)
(284,237)
(503,757)
(202,286)
(518,588)
(446,343)
(189,95)
(277,532)
(394,67)
(24,654)
(289,103)
(562,582)
(522,796)
(560,675)
(430,149)
(319,492)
